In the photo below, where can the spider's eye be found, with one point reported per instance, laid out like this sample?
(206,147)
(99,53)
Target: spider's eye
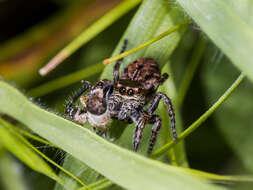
(100,84)
(139,90)
(122,90)
(130,92)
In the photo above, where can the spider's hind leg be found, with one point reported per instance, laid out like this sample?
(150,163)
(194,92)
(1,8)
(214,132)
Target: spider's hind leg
(170,109)
(118,63)
(157,121)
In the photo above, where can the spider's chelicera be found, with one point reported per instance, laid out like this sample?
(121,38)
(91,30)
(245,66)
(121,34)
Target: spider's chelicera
(124,99)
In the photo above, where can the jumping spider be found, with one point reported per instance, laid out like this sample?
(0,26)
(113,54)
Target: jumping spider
(124,99)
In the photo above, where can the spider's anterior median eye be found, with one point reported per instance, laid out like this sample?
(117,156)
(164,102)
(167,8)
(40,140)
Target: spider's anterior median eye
(100,84)
(130,92)
(122,90)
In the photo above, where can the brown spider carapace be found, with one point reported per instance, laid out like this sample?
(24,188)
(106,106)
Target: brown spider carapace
(124,99)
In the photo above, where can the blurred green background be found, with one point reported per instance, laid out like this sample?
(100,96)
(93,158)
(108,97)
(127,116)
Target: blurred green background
(32,32)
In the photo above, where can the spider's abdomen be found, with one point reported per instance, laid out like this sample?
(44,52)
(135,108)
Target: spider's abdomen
(144,71)
(96,105)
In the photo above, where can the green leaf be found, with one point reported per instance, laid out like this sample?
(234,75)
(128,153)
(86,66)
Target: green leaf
(177,153)
(96,152)
(229,24)
(10,169)
(90,33)
(24,153)
(201,119)
(144,27)
(234,117)
(81,170)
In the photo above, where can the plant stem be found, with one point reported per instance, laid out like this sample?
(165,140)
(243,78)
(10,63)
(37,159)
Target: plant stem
(90,33)
(177,154)
(66,80)
(162,35)
(198,122)
(101,184)
(191,68)
(217,177)
(34,137)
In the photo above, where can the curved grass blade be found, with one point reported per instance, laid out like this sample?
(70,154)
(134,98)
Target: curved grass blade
(90,33)
(66,80)
(191,69)
(164,15)
(199,121)
(25,154)
(233,120)
(229,24)
(177,154)
(10,169)
(148,43)
(94,69)
(218,178)
(32,136)
(80,170)
(93,150)
(22,56)
(28,144)
(101,184)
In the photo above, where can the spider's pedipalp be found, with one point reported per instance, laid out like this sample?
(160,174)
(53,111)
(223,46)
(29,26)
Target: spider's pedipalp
(69,110)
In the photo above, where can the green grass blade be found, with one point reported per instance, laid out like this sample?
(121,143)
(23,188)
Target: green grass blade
(233,120)
(96,152)
(145,26)
(199,121)
(24,153)
(32,136)
(11,173)
(218,178)
(191,69)
(28,144)
(66,80)
(80,170)
(90,33)
(101,184)
(177,154)
(94,69)
(148,43)
(23,55)
(164,16)
(229,24)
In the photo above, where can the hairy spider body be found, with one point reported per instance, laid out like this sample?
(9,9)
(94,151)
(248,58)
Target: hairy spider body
(124,99)
(146,72)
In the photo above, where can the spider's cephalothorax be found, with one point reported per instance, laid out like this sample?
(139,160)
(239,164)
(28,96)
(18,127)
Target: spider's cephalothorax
(124,99)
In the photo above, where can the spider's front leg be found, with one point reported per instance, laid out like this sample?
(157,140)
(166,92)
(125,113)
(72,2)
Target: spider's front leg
(144,119)
(141,118)
(170,109)
(77,114)
(138,132)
